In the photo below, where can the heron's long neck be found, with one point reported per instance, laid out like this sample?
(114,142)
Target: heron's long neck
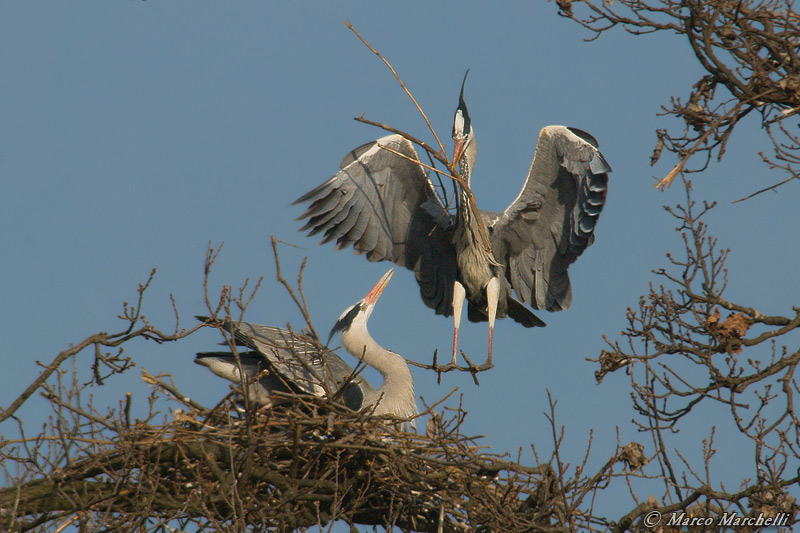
(467,220)
(474,259)
(467,229)
(465,166)
(396,395)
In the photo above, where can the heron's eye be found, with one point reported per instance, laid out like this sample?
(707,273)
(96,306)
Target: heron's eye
(363,307)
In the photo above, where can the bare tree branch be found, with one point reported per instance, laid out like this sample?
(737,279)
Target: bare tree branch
(749,50)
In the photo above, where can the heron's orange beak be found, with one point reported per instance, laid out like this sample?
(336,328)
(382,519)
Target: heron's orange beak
(458,150)
(376,291)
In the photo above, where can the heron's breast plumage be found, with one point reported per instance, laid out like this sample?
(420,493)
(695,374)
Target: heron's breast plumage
(475,266)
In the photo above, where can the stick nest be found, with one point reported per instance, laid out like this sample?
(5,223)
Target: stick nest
(291,468)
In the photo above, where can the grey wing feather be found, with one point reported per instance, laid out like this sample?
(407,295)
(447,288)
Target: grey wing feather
(552,220)
(308,366)
(300,362)
(252,364)
(384,205)
(304,362)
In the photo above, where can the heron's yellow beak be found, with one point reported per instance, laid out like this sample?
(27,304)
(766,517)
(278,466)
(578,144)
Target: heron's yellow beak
(376,291)
(458,149)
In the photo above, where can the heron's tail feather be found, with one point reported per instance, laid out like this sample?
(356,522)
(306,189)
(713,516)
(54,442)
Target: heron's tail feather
(520,313)
(516,310)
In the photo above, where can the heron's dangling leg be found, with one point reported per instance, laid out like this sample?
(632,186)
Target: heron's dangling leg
(492,297)
(458,302)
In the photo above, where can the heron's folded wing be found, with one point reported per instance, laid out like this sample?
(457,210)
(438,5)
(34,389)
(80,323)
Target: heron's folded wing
(313,368)
(297,359)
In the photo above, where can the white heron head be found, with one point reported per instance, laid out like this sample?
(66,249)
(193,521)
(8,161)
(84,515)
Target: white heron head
(358,314)
(463,136)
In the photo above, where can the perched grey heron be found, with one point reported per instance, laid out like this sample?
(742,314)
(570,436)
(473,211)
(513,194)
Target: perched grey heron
(282,360)
(385,206)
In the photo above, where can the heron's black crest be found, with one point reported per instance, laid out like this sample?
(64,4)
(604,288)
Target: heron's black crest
(345,321)
(462,106)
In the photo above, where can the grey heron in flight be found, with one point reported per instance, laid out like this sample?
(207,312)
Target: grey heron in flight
(281,360)
(385,206)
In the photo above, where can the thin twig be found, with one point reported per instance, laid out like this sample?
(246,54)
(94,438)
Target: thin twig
(403,85)
(173,391)
(454,175)
(300,305)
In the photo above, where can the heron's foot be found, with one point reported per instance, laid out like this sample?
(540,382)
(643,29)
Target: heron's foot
(453,366)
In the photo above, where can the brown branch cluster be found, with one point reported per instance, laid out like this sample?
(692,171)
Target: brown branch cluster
(689,351)
(750,49)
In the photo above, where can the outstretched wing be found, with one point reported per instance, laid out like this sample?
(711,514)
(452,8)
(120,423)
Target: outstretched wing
(384,205)
(552,220)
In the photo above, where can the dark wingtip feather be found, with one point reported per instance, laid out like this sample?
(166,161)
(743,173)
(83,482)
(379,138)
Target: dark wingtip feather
(309,195)
(307,214)
(313,193)
(585,136)
(598,164)
(303,198)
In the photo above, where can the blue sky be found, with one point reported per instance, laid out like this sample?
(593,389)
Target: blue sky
(133,133)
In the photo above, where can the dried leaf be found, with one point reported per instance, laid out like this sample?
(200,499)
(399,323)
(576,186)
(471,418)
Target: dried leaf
(633,456)
(730,332)
(669,178)
(736,325)
(713,320)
